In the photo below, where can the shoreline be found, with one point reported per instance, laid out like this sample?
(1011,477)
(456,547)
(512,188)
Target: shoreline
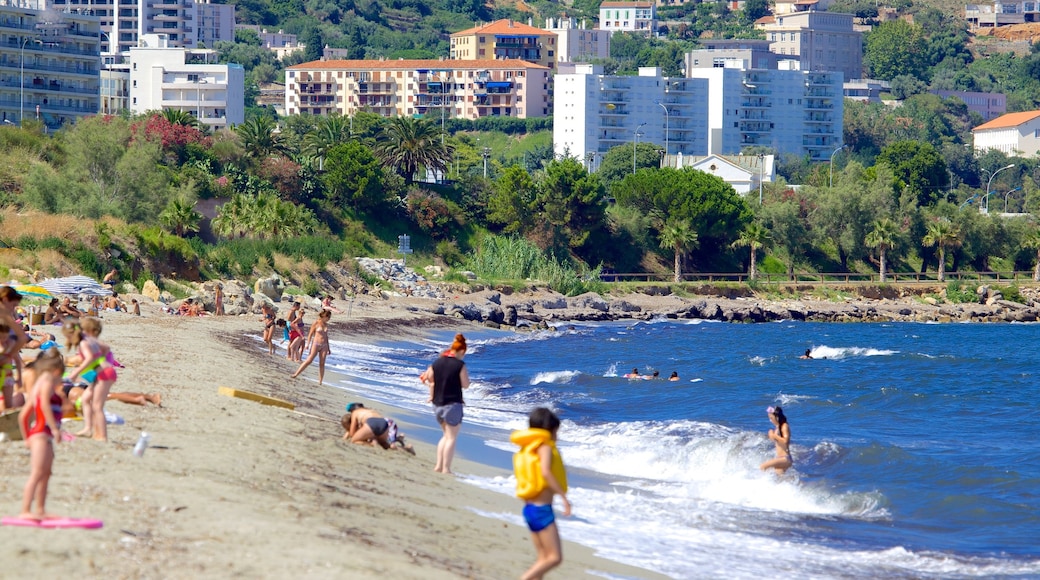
(232,488)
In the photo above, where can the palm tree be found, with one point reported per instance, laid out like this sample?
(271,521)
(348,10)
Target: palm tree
(884,237)
(231,217)
(180,217)
(178,117)
(942,233)
(680,237)
(408,145)
(260,137)
(331,131)
(1033,241)
(754,236)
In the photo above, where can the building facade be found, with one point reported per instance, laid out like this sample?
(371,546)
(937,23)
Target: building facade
(505,40)
(745,173)
(594,112)
(639,16)
(48,65)
(165,77)
(465,89)
(743,53)
(1011,134)
(576,43)
(1001,13)
(793,112)
(124,22)
(989,105)
(821,41)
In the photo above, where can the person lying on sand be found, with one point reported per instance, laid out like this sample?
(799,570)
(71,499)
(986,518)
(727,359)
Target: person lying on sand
(366,426)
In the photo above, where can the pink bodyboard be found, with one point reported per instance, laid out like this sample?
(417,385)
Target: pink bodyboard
(85,523)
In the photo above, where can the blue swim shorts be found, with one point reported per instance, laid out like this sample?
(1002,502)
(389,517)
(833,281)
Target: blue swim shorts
(450,414)
(539,517)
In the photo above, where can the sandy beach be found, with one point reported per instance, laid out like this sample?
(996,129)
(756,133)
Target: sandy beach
(231,488)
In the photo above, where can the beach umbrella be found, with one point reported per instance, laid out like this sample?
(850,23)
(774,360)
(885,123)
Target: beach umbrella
(33,290)
(75,285)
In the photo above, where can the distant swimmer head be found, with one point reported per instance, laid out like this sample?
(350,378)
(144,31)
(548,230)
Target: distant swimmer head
(674,375)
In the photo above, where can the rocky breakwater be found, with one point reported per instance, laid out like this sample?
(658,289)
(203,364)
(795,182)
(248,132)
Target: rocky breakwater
(405,281)
(545,309)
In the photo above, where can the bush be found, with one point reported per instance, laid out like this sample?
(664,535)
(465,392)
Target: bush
(449,252)
(1011,293)
(513,258)
(310,287)
(956,293)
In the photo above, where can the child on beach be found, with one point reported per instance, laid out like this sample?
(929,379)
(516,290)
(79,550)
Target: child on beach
(39,435)
(540,476)
(83,335)
(366,426)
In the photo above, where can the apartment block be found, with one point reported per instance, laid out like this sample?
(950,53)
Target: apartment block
(186,23)
(989,105)
(465,89)
(719,53)
(639,16)
(820,41)
(167,77)
(48,64)
(577,43)
(1001,13)
(594,112)
(505,40)
(794,112)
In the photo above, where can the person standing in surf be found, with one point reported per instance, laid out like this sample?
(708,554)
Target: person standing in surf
(318,338)
(447,377)
(782,437)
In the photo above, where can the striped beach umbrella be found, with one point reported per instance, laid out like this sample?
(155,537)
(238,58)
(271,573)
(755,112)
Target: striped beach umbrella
(75,285)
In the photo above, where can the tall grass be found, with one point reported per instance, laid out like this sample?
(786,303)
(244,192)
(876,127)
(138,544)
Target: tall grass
(239,257)
(513,258)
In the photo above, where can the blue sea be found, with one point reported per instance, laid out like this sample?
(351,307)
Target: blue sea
(915,445)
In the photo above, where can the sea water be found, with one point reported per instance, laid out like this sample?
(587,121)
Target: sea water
(915,445)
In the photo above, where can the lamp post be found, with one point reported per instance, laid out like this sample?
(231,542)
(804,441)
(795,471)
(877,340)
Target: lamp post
(1006,198)
(761,174)
(830,168)
(662,105)
(21,77)
(635,140)
(988,183)
(485,154)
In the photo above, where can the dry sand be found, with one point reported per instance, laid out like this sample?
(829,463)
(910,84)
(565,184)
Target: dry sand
(231,488)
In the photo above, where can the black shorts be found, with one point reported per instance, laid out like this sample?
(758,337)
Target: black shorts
(378,425)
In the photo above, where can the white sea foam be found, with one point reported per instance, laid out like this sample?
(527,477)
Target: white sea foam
(555,377)
(838,353)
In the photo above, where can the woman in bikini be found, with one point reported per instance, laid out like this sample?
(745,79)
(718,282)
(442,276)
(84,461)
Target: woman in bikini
(82,336)
(782,437)
(269,321)
(52,316)
(296,328)
(318,338)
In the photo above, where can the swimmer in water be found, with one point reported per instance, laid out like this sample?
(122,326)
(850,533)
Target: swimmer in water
(633,375)
(782,437)
(807,355)
(674,377)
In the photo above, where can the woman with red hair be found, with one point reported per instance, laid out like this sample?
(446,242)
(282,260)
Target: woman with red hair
(446,378)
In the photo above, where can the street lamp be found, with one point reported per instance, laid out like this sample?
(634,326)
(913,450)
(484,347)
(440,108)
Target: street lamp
(660,104)
(485,154)
(830,169)
(635,139)
(1006,197)
(992,175)
(21,77)
(761,174)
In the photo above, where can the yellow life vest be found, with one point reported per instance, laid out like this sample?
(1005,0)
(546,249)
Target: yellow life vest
(528,466)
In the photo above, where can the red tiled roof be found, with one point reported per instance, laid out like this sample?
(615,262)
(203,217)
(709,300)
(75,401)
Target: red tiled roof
(766,20)
(1008,121)
(414,64)
(504,26)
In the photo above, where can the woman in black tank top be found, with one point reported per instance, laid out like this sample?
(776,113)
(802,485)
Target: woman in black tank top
(446,378)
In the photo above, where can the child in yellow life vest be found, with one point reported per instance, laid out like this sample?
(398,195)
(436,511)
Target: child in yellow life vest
(539,476)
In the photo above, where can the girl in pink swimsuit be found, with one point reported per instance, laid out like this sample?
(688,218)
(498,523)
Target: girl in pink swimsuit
(83,336)
(39,435)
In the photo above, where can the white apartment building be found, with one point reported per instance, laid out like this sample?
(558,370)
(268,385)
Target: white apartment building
(632,16)
(822,41)
(48,64)
(438,89)
(165,77)
(576,43)
(280,43)
(186,23)
(1011,134)
(794,112)
(1002,13)
(594,112)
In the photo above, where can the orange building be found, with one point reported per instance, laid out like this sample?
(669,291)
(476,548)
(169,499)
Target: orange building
(465,89)
(505,40)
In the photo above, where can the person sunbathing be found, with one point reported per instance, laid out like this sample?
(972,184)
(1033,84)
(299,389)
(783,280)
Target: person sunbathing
(52,314)
(67,308)
(114,303)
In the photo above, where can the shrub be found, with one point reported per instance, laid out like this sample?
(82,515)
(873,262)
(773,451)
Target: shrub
(956,293)
(449,252)
(1011,293)
(310,287)
(513,258)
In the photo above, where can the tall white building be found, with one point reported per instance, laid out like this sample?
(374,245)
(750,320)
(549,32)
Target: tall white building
(48,64)
(628,16)
(186,23)
(165,77)
(576,43)
(594,112)
(794,112)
